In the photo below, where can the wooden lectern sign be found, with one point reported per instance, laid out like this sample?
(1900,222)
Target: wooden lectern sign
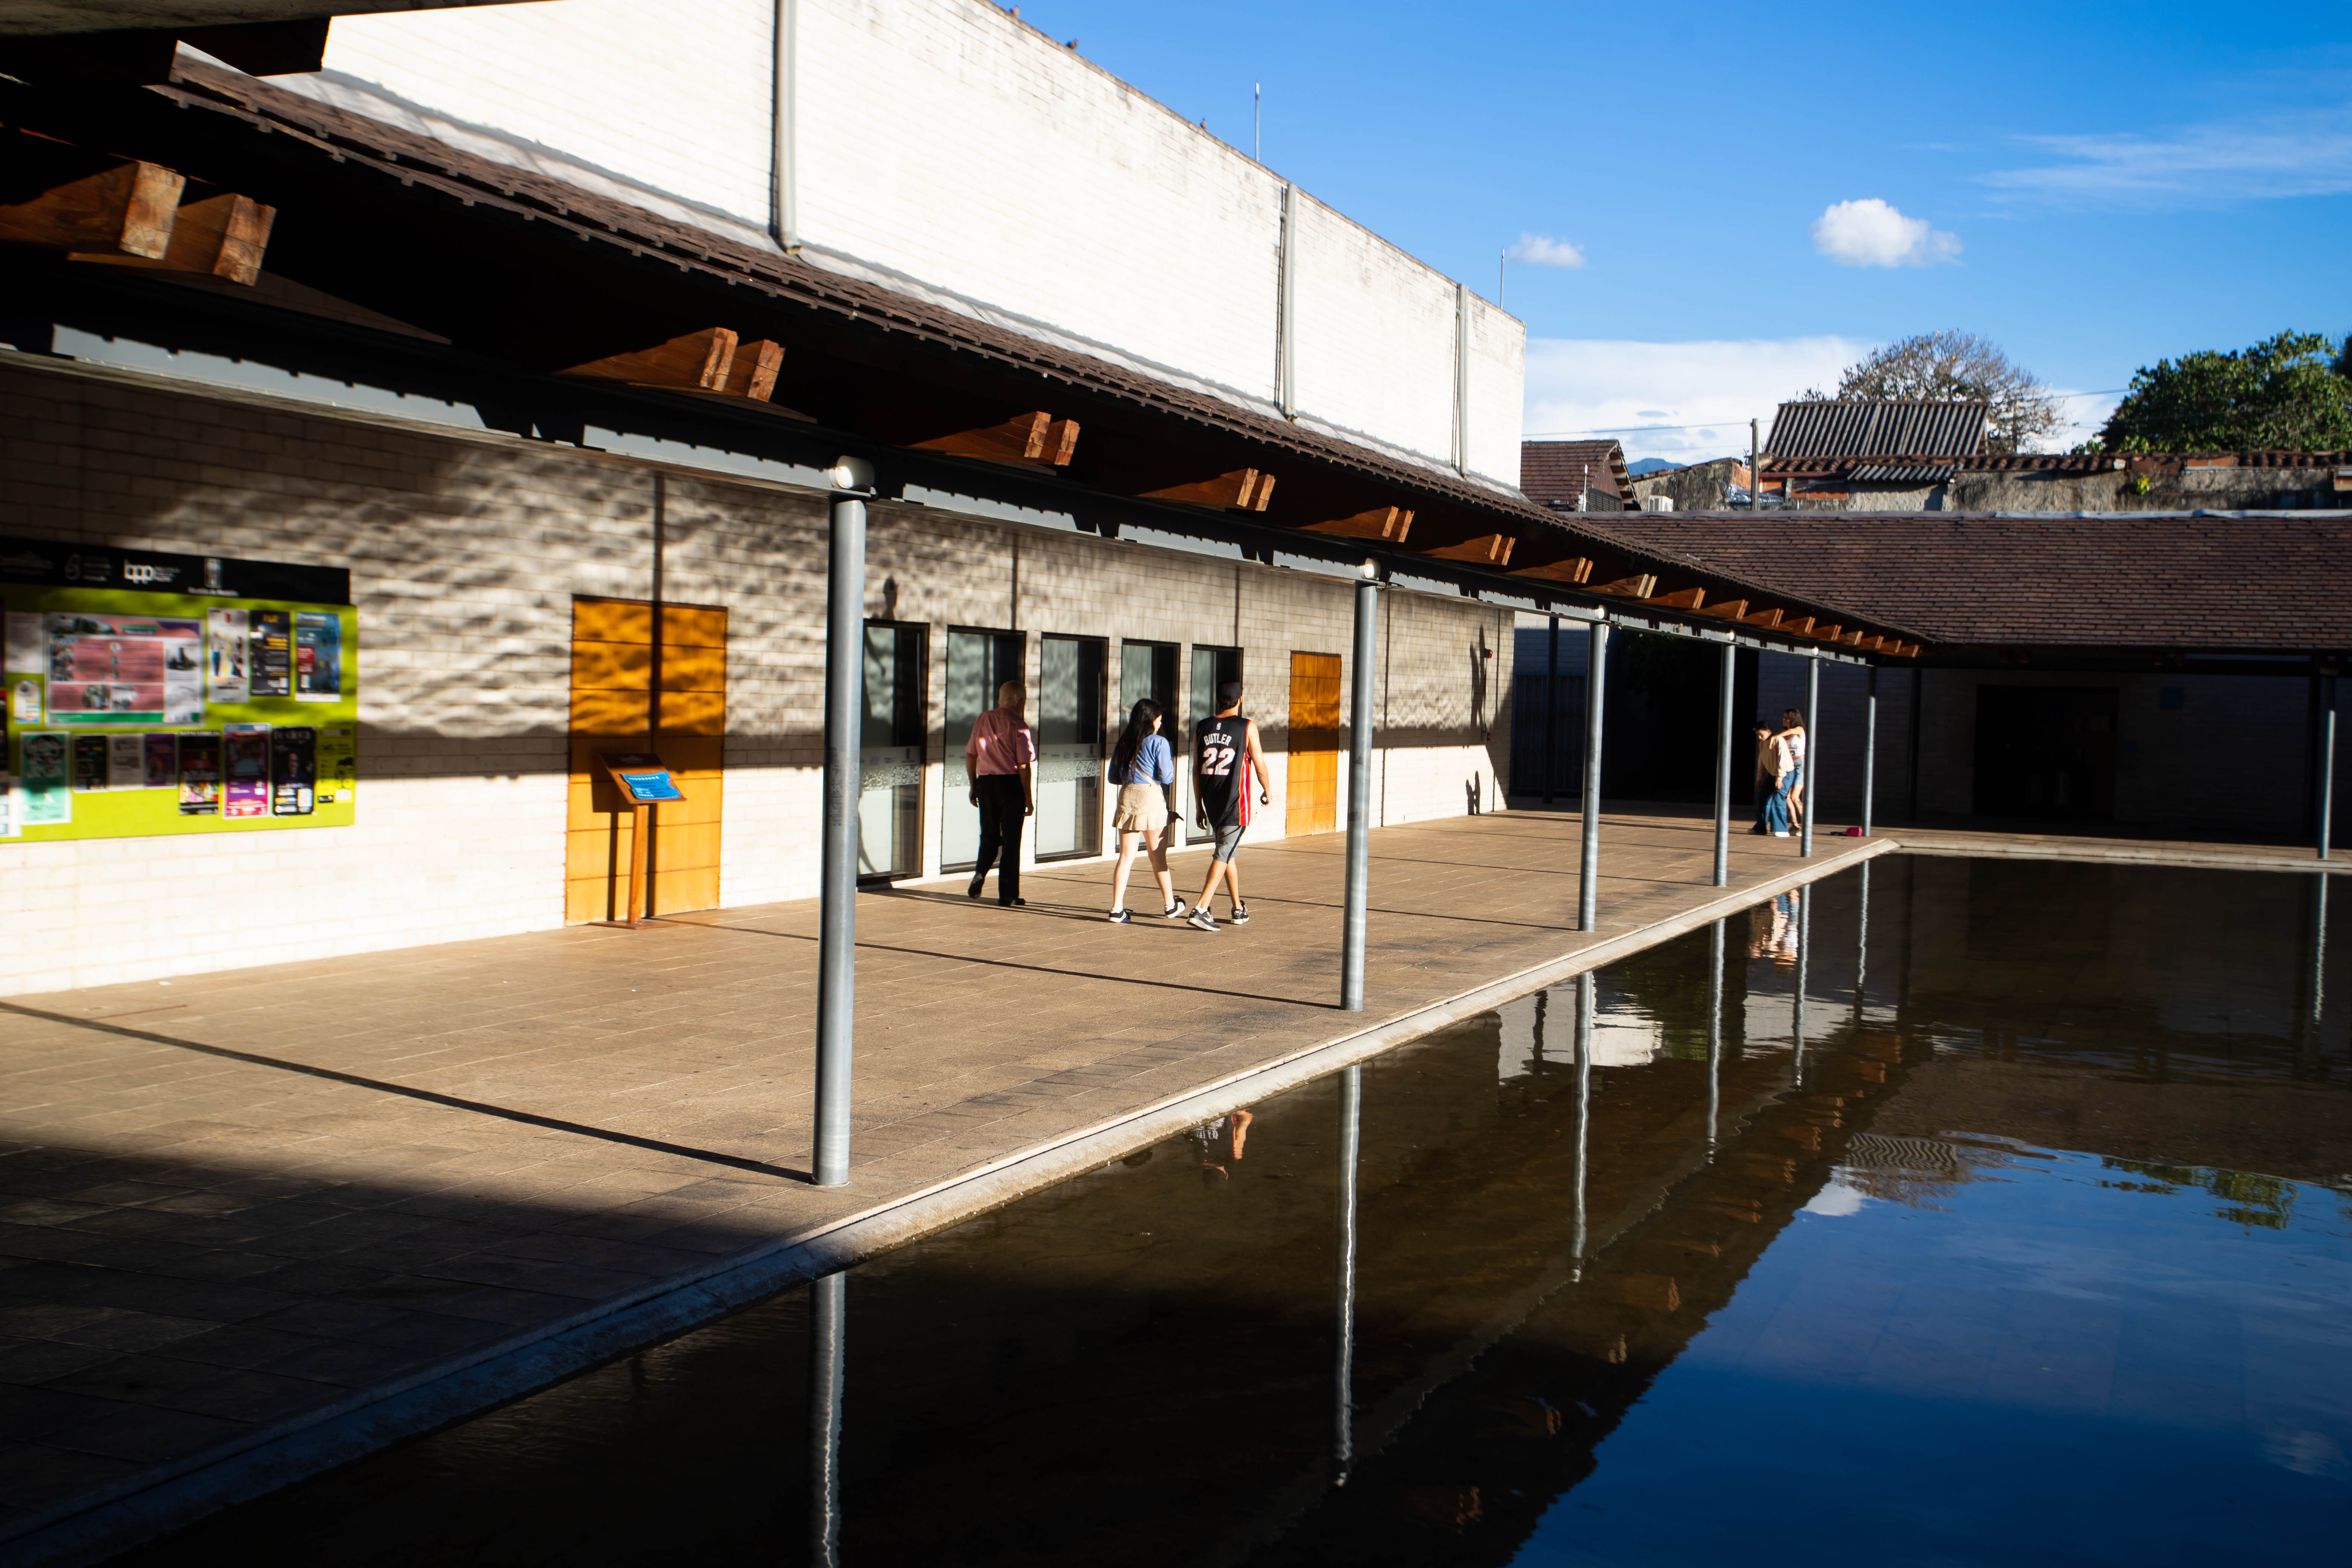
(643,781)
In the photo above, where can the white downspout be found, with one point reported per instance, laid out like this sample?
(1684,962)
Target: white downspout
(1286,390)
(1461,378)
(784,214)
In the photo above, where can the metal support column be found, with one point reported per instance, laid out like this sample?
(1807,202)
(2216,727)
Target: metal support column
(1919,701)
(2327,760)
(1869,748)
(828,1318)
(1351,1121)
(1714,1036)
(1359,793)
(1551,716)
(1806,772)
(1596,687)
(1584,988)
(1723,764)
(836,973)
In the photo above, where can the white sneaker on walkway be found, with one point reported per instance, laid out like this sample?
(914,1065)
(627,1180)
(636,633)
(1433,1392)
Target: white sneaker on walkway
(1203,921)
(1119,917)
(1177,910)
(1240,916)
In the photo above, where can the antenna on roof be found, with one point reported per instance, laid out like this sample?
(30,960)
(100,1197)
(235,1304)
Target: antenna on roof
(1257,120)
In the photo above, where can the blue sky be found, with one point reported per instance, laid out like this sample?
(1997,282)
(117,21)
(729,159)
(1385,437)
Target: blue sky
(2093,186)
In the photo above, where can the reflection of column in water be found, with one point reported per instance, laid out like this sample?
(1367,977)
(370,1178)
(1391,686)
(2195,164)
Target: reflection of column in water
(1862,940)
(828,1314)
(1541,997)
(1713,1037)
(1584,1110)
(1804,952)
(2318,954)
(1343,1425)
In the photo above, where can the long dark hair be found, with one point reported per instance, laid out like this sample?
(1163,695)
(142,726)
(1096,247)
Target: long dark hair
(1131,739)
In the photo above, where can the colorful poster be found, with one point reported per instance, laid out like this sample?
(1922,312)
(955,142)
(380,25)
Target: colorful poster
(43,779)
(24,701)
(122,669)
(23,643)
(271,669)
(200,773)
(126,761)
(293,770)
(245,770)
(163,763)
(339,764)
(224,654)
(90,760)
(318,656)
(11,808)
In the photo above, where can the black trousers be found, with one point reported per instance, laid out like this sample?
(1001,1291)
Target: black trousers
(1003,803)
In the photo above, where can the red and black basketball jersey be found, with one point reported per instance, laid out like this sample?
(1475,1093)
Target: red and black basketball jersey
(1221,770)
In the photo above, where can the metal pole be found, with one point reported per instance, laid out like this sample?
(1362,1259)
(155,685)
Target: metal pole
(1869,748)
(1596,689)
(1351,1118)
(1755,471)
(1360,794)
(1813,749)
(836,973)
(1551,714)
(1714,1036)
(1584,987)
(2327,760)
(1723,765)
(828,1318)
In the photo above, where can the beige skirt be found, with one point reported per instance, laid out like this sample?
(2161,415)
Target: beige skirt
(1142,808)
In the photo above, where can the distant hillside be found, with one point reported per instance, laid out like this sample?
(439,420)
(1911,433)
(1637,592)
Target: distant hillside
(1640,465)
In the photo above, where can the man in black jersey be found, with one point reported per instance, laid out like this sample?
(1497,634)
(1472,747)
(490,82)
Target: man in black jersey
(1224,749)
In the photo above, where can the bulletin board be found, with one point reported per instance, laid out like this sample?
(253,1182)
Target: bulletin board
(146,693)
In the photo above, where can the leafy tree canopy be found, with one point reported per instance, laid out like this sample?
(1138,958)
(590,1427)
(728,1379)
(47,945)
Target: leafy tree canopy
(1959,367)
(2289,393)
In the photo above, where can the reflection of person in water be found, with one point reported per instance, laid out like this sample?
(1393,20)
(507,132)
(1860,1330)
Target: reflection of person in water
(1773,929)
(1220,1145)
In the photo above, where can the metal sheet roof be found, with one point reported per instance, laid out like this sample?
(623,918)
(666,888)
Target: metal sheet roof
(1878,429)
(1903,473)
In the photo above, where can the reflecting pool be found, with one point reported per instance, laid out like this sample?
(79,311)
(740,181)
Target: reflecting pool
(1956,1212)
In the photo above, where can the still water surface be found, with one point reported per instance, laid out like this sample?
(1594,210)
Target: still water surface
(1979,1213)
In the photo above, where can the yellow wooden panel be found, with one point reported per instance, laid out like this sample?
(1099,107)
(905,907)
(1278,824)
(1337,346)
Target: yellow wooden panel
(692,712)
(621,665)
(692,753)
(677,893)
(693,668)
(601,710)
(597,850)
(612,620)
(678,846)
(587,899)
(693,626)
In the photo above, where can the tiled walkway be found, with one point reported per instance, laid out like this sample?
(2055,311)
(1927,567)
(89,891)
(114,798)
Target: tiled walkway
(234,1205)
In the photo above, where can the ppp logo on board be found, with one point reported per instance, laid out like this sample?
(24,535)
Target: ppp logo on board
(141,577)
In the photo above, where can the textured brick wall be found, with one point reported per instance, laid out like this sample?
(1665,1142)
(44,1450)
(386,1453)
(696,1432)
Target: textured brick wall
(465,553)
(944,142)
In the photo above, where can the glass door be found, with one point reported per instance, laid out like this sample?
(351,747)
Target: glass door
(1212,668)
(1070,747)
(978,662)
(890,754)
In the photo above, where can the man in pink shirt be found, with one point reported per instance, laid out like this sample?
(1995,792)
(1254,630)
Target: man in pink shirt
(1001,759)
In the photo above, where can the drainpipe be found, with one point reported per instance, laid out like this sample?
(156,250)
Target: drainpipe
(783,205)
(852,480)
(1461,378)
(1287,301)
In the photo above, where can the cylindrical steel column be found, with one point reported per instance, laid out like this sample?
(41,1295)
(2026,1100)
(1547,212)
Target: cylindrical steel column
(1359,795)
(1584,989)
(1596,686)
(1723,764)
(1551,716)
(828,1318)
(1351,1119)
(836,973)
(1869,748)
(1806,772)
(2327,760)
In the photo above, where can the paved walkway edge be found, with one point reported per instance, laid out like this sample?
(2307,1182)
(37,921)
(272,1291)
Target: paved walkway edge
(98,1525)
(1926,843)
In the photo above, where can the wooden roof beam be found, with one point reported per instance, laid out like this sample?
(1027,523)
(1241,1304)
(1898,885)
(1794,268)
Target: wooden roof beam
(710,360)
(127,210)
(222,237)
(1680,599)
(1243,489)
(1390,524)
(1639,586)
(1576,570)
(1764,619)
(1032,437)
(1483,549)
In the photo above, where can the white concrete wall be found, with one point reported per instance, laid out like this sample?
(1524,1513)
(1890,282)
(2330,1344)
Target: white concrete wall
(944,145)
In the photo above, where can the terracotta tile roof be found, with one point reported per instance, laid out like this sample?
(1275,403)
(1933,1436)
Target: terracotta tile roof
(2162,580)
(1557,473)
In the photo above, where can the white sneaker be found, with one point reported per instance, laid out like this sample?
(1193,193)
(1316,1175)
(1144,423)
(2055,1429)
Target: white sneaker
(1177,910)
(1119,917)
(1202,920)
(1779,835)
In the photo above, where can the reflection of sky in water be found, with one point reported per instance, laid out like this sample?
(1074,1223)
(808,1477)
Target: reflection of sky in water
(2034,1364)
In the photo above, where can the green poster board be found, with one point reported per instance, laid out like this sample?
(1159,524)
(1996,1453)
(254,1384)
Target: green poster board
(147,693)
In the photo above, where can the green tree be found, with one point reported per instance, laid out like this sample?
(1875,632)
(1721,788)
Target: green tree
(1959,367)
(2286,393)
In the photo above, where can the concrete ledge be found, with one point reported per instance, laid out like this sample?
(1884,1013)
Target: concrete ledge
(2119,854)
(93,1527)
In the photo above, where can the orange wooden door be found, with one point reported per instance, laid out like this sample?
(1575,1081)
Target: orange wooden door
(637,686)
(1311,795)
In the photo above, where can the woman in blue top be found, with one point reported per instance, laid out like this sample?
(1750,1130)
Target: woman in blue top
(1143,768)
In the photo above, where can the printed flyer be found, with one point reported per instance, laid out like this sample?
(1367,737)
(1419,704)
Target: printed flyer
(245,770)
(339,764)
(25,701)
(293,770)
(43,778)
(318,656)
(200,773)
(123,669)
(11,808)
(162,757)
(126,761)
(90,763)
(225,655)
(271,671)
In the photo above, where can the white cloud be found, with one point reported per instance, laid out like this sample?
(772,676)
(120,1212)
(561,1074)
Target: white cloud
(1543,250)
(1836,1200)
(1597,387)
(1871,233)
(2307,154)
